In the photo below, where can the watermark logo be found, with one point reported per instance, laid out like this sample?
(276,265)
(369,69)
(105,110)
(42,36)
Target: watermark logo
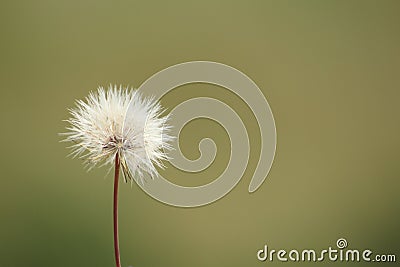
(341,243)
(339,253)
(204,107)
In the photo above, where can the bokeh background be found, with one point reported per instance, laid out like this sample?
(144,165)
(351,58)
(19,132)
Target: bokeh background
(329,69)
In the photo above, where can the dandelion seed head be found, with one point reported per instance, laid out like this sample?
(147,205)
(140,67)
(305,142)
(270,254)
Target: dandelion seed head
(119,121)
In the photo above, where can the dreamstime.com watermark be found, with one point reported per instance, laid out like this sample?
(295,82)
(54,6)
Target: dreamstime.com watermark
(339,253)
(237,83)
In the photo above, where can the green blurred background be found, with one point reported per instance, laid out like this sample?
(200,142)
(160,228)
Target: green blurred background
(329,69)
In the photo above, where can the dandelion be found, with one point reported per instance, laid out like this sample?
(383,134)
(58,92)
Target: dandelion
(122,128)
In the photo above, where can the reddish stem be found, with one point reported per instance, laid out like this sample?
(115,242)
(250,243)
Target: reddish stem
(115,214)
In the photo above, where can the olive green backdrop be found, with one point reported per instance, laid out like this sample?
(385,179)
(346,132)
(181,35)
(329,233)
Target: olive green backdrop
(330,72)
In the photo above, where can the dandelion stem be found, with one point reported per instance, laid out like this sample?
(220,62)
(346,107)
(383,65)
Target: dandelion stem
(115,211)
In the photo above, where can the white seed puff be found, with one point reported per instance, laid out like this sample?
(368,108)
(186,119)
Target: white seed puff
(119,121)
